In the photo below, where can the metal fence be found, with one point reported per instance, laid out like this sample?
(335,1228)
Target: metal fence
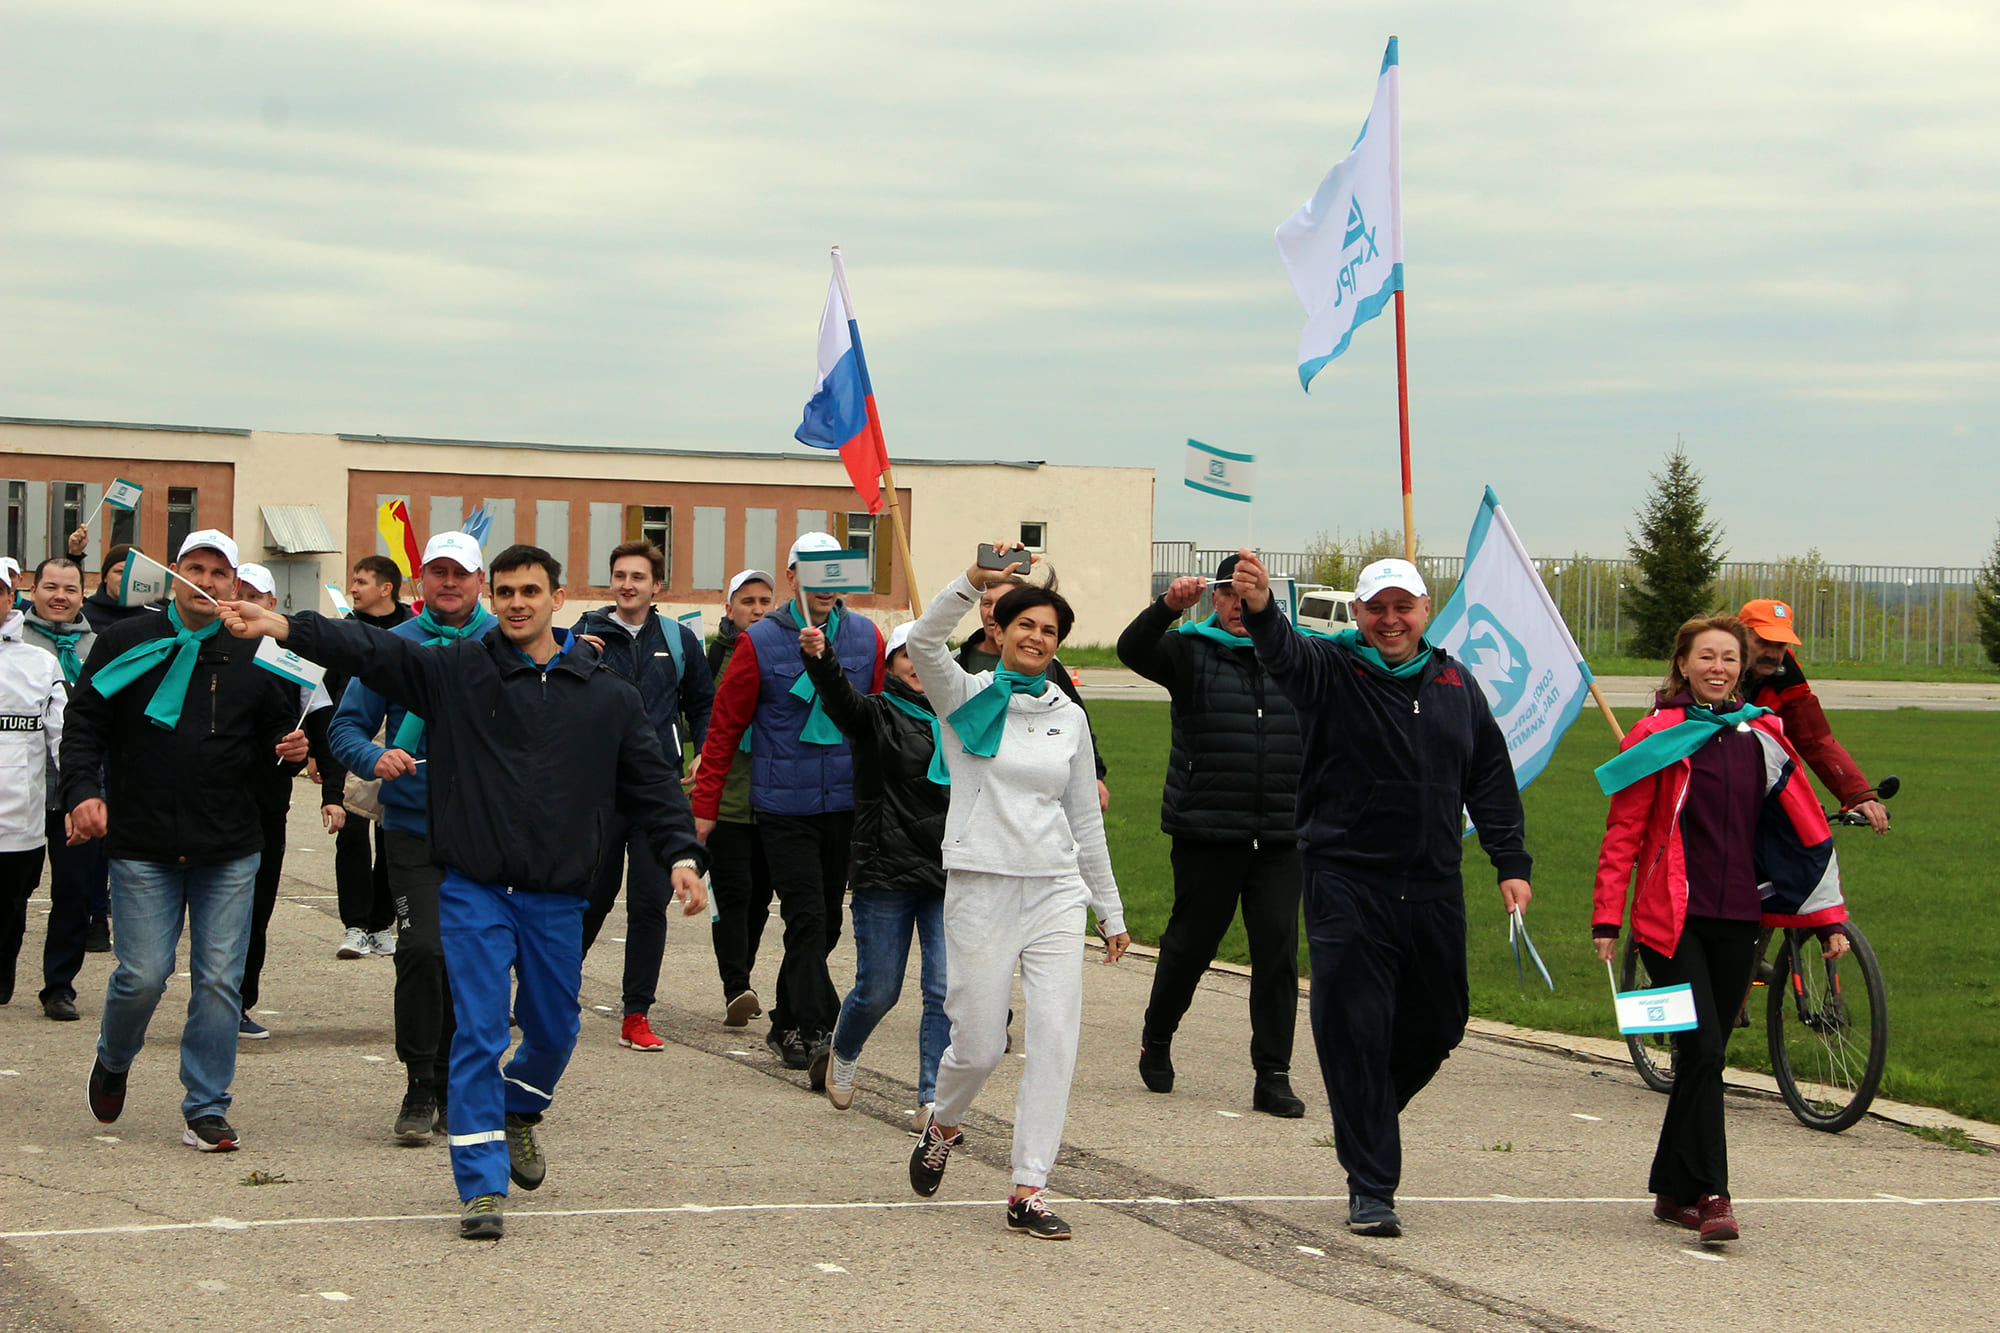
(1918,614)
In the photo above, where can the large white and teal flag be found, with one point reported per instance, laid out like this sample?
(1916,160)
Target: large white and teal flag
(1503,625)
(1343,249)
(1219,472)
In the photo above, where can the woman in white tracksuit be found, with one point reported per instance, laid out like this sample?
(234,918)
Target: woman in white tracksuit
(1024,855)
(32,696)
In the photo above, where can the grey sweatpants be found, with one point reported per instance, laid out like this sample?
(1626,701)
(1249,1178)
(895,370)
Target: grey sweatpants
(990,923)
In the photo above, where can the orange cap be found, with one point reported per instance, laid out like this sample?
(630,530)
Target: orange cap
(1769,619)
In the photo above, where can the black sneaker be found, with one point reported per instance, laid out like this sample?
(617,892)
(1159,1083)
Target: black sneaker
(525,1162)
(790,1047)
(414,1121)
(1273,1095)
(1156,1067)
(927,1159)
(482,1218)
(107,1093)
(210,1133)
(1032,1216)
(821,1055)
(439,1127)
(97,936)
(1370,1216)
(60,1008)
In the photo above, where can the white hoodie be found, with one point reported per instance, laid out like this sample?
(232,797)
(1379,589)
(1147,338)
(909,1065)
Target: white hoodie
(32,696)
(1031,810)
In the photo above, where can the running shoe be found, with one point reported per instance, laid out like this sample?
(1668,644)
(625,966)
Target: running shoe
(482,1218)
(107,1093)
(211,1133)
(927,1159)
(789,1047)
(525,1162)
(1680,1214)
(383,943)
(1370,1216)
(1032,1217)
(353,944)
(638,1034)
(249,1029)
(743,1006)
(420,1111)
(1718,1222)
(840,1082)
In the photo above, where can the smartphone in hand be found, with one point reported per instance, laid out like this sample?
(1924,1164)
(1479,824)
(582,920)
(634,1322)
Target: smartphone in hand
(994,557)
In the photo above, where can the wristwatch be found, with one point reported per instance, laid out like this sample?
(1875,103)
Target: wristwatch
(687,863)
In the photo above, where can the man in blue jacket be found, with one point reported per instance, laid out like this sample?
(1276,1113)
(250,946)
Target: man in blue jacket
(802,789)
(535,749)
(664,659)
(452,577)
(1398,741)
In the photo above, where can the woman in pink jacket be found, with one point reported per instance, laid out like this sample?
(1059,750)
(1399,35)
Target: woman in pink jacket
(1711,807)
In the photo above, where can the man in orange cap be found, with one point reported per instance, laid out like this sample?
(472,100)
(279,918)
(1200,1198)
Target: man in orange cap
(1772,679)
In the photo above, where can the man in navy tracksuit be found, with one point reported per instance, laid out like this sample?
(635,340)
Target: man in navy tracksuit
(664,659)
(802,789)
(533,752)
(1398,741)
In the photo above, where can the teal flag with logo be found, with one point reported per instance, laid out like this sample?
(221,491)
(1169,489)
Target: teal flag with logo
(1502,625)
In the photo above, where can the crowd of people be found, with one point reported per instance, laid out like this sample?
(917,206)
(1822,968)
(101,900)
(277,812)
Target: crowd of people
(885,783)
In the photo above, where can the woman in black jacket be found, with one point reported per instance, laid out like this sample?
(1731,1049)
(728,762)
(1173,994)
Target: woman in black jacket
(901,795)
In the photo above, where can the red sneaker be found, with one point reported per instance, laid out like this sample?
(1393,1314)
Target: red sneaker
(1680,1214)
(1718,1223)
(638,1034)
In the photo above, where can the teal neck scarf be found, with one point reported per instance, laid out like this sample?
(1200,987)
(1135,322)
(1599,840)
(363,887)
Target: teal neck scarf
(182,647)
(64,642)
(981,720)
(938,772)
(819,728)
(410,733)
(1212,629)
(1351,639)
(1670,745)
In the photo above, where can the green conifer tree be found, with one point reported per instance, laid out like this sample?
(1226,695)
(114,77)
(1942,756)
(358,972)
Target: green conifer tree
(1986,603)
(1678,552)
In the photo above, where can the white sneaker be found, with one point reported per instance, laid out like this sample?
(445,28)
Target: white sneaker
(382,942)
(840,1082)
(353,944)
(921,1117)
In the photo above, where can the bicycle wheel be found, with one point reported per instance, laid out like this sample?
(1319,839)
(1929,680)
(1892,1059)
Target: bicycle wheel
(1828,1024)
(1652,1052)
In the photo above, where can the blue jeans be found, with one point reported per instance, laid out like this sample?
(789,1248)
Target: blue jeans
(149,900)
(883,922)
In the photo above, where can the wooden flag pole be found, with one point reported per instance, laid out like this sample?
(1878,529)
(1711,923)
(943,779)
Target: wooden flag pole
(1403,418)
(1610,720)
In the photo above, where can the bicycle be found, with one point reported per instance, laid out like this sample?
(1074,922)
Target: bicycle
(1827,1040)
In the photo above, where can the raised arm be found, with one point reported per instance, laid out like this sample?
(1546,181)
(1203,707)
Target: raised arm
(1143,645)
(397,668)
(948,683)
(846,706)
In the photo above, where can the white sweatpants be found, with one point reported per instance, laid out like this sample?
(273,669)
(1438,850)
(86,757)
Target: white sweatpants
(990,922)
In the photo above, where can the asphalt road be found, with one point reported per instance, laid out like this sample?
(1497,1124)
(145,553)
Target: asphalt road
(705,1188)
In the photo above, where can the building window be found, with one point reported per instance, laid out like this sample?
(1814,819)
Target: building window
(653,523)
(124,527)
(860,532)
(66,511)
(181,513)
(1034,536)
(17,519)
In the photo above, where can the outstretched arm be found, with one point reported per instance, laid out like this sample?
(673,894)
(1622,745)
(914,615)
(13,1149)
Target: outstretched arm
(948,683)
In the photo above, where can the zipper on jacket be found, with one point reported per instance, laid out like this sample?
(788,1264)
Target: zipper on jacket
(212,678)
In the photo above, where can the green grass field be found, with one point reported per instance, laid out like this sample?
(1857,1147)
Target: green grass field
(1926,894)
(1972,669)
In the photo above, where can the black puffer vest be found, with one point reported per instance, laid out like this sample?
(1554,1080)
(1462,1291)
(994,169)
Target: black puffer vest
(1233,772)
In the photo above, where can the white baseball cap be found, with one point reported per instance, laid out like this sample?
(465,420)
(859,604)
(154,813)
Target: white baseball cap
(812,541)
(1389,574)
(749,576)
(258,577)
(211,539)
(10,568)
(898,637)
(457,547)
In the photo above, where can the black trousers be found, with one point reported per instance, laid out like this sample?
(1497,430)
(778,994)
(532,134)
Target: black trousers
(1389,1004)
(20,872)
(741,879)
(362,881)
(77,876)
(1210,879)
(424,1023)
(263,900)
(1714,957)
(808,856)
(648,890)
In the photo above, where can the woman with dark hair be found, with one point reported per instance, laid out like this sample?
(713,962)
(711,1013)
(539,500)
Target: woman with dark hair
(1689,790)
(1024,856)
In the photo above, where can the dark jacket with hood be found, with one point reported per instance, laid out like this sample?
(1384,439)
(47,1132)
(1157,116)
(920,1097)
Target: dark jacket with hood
(648,662)
(528,764)
(898,811)
(103,612)
(1233,771)
(1390,764)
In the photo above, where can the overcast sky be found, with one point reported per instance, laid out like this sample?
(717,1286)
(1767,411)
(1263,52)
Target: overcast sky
(1766,228)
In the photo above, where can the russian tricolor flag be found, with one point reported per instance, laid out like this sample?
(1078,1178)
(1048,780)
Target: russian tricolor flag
(841,413)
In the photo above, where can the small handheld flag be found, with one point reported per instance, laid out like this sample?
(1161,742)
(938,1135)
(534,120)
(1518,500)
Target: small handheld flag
(146,580)
(339,600)
(1517,938)
(1664,1009)
(692,620)
(834,571)
(279,660)
(1220,472)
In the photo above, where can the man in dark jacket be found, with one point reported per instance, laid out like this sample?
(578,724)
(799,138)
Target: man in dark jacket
(738,871)
(1232,781)
(663,658)
(802,788)
(1399,743)
(183,723)
(902,793)
(534,749)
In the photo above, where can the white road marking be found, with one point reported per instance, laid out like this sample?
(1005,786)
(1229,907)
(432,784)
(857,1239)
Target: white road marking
(376,1059)
(33,1148)
(10,1073)
(335,1296)
(232,1224)
(1230,1115)
(1703,1254)
(1578,1115)
(830,1268)
(107,1138)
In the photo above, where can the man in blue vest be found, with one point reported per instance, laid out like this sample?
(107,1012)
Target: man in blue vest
(663,659)
(452,578)
(801,788)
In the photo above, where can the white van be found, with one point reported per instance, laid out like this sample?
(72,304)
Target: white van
(1327,610)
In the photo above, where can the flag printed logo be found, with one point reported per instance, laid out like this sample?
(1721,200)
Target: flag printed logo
(123,494)
(833,571)
(279,660)
(1497,659)
(1668,1009)
(1220,472)
(146,580)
